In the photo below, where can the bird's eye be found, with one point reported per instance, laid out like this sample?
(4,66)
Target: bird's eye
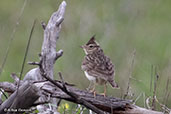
(90,46)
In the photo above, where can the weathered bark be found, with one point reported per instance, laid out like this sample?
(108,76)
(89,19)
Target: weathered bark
(23,99)
(48,57)
(106,104)
(48,54)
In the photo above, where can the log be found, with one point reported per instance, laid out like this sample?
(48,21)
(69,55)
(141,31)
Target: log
(106,104)
(23,99)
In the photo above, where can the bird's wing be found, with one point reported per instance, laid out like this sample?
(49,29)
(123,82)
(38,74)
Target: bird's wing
(100,67)
(106,68)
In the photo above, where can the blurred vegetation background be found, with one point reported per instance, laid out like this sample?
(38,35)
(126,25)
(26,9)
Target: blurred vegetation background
(121,26)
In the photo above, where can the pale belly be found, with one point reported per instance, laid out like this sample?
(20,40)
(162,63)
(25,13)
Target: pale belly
(91,78)
(97,80)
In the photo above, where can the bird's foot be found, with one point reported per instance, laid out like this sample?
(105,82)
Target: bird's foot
(104,94)
(94,92)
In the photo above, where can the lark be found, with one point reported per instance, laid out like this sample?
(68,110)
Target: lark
(97,67)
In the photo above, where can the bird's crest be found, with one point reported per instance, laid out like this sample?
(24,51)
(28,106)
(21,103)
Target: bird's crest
(92,41)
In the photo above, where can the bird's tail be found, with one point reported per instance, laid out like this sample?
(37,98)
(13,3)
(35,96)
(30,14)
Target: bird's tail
(114,84)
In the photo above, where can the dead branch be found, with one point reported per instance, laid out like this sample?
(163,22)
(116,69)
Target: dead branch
(47,60)
(73,95)
(8,87)
(27,95)
(106,104)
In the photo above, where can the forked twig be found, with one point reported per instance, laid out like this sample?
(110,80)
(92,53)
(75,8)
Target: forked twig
(63,83)
(43,25)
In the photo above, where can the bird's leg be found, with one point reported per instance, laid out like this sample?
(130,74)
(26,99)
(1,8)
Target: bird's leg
(93,90)
(89,87)
(94,87)
(104,94)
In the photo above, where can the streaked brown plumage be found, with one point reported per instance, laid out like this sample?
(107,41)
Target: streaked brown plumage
(97,67)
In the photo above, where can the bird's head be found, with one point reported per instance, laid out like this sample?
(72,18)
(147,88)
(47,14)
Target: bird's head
(91,46)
